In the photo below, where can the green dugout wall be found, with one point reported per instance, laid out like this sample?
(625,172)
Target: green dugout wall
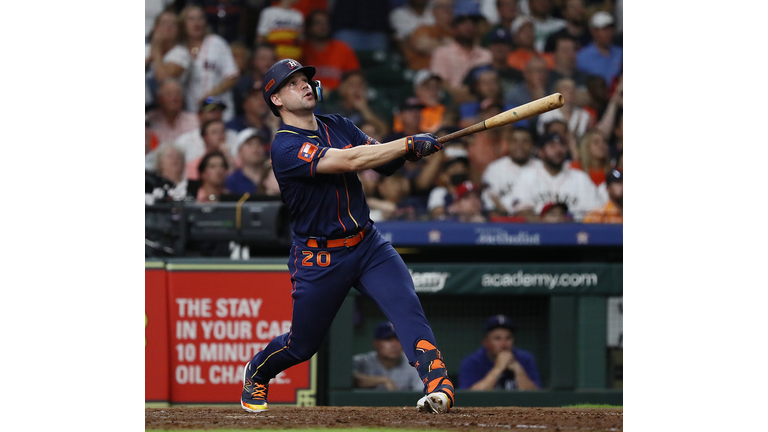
(560,311)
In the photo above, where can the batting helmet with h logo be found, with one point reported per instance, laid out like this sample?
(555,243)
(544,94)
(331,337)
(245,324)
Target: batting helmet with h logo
(279,72)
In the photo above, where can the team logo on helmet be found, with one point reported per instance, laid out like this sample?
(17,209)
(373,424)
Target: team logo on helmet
(292,64)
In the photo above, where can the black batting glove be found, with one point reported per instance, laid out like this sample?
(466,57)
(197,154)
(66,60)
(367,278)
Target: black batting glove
(421,145)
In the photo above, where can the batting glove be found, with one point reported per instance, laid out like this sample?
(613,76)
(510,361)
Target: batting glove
(421,145)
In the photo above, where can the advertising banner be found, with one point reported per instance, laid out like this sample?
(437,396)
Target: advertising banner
(503,279)
(156,377)
(219,319)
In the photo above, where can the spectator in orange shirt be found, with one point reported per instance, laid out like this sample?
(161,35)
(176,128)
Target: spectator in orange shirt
(613,212)
(331,57)
(427,87)
(524,36)
(593,158)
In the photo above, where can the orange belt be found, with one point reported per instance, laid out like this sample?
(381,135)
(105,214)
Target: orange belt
(347,241)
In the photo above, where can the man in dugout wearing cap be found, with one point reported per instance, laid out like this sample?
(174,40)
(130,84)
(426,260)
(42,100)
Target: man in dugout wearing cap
(386,367)
(498,364)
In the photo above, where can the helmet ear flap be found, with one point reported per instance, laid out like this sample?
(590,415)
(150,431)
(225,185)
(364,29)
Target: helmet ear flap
(317,90)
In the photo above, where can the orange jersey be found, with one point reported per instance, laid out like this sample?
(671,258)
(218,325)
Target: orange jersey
(431,119)
(608,214)
(519,57)
(331,62)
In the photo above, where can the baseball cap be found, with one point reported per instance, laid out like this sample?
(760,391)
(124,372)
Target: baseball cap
(211,103)
(411,103)
(498,321)
(500,35)
(550,137)
(519,22)
(614,176)
(249,133)
(549,206)
(384,330)
(601,19)
(423,76)
(463,189)
(467,9)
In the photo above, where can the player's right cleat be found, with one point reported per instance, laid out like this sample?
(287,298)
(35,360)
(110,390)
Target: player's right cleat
(435,403)
(254,397)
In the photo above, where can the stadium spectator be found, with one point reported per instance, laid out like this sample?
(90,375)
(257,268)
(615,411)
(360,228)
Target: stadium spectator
(213,71)
(575,15)
(396,189)
(467,207)
(601,57)
(560,127)
(212,170)
(164,56)
(506,12)
(214,136)
(427,87)
(484,87)
(351,101)
(242,55)
(406,18)
(553,181)
(533,87)
(153,8)
(544,23)
(454,60)
(151,144)
(268,185)
(192,143)
(387,367)
(503,175)
(577,118)
(170,166)
(500,45)
(555,213)
(256,115)
(282,26)
(330,57)
(594,156)
(250,144)
(607,122)
(263,57)
(613,211)
(523,36)
(499,364)
(421,43)
(454,172)
(597,96)
(169,120)
(361,24)
(565,66)
(409,118)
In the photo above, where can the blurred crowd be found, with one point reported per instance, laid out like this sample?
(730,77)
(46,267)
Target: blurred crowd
(397,68)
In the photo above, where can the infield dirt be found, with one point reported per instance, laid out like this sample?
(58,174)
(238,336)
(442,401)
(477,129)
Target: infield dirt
(459,419)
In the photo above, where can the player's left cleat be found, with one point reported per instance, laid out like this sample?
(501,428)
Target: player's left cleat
(437,387)
(254,397)
(435,403)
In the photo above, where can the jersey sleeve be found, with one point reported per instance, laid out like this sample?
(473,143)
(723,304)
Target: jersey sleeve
(228,65)
(469,373)
(178,55)
(528,361)
(296,157)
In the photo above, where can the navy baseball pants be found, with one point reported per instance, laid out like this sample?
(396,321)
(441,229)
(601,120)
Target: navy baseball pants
(321,279)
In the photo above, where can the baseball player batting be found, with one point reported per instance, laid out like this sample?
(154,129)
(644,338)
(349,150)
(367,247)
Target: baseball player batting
(336,246)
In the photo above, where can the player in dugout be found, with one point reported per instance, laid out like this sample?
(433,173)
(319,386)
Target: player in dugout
(336,246)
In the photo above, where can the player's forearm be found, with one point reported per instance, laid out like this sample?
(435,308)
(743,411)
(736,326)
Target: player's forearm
(360,158)
(368,381)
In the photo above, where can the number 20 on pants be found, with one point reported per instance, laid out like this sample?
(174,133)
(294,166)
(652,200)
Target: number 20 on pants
(323,259)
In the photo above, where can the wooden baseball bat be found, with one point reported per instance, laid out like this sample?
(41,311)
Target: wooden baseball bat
(531,109)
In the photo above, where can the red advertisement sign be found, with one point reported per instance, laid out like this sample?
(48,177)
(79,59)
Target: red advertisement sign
(156,377)
(218,321)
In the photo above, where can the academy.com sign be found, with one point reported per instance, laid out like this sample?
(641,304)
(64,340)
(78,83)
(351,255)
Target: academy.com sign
(547,280)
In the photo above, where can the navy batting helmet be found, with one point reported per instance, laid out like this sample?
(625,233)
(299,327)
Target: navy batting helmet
(279,72)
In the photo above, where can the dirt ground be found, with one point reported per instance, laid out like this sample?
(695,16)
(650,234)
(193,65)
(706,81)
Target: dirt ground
(459,419)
